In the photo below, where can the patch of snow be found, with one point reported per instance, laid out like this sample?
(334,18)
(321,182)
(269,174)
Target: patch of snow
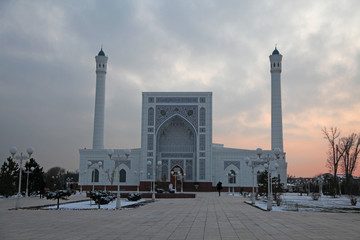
(86,205)
(295,202)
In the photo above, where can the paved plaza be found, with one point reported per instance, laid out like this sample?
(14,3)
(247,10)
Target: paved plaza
(205,217)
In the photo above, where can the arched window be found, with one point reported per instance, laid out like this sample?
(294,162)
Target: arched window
(151,117)
(122,176)
(232,177)
(278,65)
(95,175)
(202,116)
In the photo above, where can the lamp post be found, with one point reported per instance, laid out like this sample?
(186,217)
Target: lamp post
(182,178)
(253,164)
(56,180)
(138,174)
(175,174)
(158,171)
(320,180)
(92,175)
(270,164)
(82,173)
(117,160)
(149,175)
(340,180)
(232,177)
(27,180)
(149,163)
(20,157)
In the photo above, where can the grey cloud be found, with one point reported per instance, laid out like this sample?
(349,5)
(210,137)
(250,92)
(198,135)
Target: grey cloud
(47,75)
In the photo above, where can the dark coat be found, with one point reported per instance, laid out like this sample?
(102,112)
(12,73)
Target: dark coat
(219,186)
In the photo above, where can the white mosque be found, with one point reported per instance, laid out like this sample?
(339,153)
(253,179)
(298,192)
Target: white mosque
(176,143)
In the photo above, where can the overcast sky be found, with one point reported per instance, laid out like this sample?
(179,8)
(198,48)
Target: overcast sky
(47,71)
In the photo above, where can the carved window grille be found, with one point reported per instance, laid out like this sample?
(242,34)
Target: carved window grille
(202,117)
(202,169)
(151,116)
(202,142)
(164,169)
(189,170)
(150,142)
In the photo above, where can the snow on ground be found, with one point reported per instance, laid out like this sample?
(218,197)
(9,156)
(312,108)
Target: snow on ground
(295,202)
(86,205)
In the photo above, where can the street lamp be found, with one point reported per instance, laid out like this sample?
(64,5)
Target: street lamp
(20,157)
(82,173)
(104,177)
(69,180)
(232,175)
(117,160)
(175,174)
(270,164)
(320,180)
(253,164)
(27,180)
(149,175)
(182,178)
(149,163)
(138,174)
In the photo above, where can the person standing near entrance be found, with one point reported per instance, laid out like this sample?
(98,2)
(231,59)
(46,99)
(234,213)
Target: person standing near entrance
(219,187)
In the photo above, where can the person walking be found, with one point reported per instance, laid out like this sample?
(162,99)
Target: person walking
(219,187)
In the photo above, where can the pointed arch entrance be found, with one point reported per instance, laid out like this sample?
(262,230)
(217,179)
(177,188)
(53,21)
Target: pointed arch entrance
(176,142)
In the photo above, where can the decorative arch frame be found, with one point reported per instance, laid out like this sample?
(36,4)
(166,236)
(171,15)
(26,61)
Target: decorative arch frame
(235,169)
(172,117)
(95,167)
(193,128)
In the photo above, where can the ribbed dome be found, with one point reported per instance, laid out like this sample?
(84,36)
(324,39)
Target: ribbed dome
(101,53)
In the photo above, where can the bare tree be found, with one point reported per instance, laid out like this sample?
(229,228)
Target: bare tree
(335,153)
(110,175)
(351,147)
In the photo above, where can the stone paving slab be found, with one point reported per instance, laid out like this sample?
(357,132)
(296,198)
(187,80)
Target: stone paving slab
(205,217)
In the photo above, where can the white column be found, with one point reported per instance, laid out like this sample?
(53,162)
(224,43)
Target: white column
(99,115)
(276,112)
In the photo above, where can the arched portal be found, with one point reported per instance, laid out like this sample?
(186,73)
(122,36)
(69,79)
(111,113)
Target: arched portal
(176,146)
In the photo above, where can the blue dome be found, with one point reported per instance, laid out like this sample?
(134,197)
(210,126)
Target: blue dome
(275,52)
(101,53)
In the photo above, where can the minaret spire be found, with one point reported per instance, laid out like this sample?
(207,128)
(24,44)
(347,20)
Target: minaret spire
(276,111)
(99,115)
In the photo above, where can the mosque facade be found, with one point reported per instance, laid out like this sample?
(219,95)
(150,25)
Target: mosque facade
(176,144)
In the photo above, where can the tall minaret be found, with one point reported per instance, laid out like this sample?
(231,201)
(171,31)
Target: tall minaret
(276,113)
(101,64)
